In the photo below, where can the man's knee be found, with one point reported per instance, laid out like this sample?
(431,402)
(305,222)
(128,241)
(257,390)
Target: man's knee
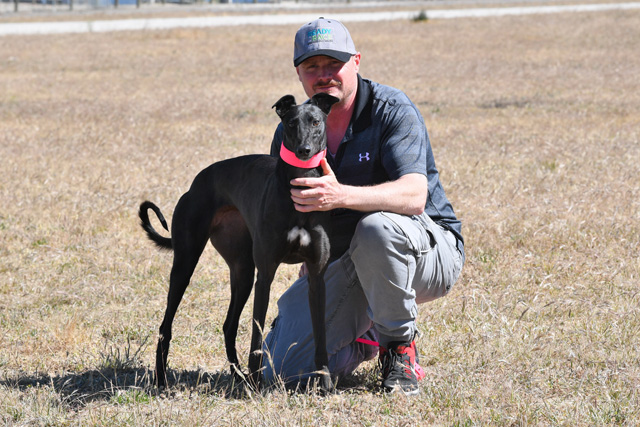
(373,231)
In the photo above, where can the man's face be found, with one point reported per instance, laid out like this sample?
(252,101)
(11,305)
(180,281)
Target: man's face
(325,74)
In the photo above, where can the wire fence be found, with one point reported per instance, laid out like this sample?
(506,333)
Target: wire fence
(37,6)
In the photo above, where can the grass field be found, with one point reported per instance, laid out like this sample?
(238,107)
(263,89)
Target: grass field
(535,125)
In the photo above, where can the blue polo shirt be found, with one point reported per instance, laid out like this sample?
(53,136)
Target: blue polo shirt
(386,139)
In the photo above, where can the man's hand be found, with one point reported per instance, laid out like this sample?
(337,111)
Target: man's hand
(323,194)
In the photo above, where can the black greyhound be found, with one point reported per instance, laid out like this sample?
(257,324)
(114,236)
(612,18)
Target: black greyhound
(243,205)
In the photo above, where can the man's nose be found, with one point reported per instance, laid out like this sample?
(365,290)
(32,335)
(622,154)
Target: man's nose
(325,73)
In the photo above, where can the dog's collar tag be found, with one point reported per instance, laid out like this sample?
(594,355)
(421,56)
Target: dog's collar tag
(289,157)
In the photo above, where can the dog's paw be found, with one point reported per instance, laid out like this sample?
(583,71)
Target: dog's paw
(324,382)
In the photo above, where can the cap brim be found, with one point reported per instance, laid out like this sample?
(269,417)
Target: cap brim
(340,56)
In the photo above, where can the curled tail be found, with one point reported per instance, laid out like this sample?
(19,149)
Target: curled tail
(143,213)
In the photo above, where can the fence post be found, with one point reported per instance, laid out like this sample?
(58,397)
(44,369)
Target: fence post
(15,5)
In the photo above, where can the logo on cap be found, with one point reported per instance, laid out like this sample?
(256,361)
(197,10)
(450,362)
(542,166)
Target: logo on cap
(320,35)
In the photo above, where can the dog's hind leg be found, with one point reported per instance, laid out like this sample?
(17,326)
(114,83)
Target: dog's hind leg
(188,245)
(181,273)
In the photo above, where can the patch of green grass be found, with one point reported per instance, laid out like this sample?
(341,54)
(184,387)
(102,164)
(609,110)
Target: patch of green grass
(421,17)
(40,242)
(131,397)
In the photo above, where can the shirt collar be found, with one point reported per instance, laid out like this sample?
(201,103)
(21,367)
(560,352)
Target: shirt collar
(364,103)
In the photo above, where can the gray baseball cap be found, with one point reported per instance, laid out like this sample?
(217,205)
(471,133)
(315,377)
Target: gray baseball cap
(323,37)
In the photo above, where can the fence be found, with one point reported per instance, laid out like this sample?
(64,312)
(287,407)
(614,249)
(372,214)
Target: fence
(8,6)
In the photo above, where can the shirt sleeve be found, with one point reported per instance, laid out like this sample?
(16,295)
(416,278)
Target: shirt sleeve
(405,142)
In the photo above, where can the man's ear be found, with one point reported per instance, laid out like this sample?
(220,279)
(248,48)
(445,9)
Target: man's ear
(284,104)
(324,101)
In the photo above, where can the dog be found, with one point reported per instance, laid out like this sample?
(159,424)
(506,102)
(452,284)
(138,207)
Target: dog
(243,206)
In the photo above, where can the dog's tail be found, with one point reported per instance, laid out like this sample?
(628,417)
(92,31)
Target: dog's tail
(143,213)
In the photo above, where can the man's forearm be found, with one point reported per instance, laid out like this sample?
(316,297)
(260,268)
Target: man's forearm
(406,195)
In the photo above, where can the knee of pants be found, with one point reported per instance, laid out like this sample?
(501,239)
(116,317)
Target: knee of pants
(373,232)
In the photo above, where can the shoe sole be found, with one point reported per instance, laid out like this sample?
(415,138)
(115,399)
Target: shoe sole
(401,390)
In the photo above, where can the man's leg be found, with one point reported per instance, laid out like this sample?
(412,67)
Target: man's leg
(289,345)
(402,261)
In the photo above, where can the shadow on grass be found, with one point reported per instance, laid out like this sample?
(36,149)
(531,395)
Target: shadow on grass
(137,385)
(108,384)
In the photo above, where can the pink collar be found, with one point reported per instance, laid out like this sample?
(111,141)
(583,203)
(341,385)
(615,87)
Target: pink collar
(290,158)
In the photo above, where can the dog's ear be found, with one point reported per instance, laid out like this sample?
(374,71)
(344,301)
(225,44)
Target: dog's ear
(324,101)
(284,104)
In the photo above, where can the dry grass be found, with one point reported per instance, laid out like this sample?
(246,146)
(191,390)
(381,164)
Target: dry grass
(535,123)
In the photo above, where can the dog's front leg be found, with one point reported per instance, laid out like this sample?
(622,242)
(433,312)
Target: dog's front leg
(260,306)
(317,302)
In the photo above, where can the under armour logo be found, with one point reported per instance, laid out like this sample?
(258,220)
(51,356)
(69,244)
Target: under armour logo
(364,156)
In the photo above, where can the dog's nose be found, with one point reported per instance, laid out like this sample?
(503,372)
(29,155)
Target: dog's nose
(304,151)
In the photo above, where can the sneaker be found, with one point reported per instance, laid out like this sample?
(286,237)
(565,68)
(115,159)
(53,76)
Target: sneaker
(420,374)
(397,363)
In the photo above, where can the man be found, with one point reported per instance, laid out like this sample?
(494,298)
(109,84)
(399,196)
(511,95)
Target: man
(395,240)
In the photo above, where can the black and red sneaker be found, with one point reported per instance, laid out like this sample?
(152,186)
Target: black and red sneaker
(398,366)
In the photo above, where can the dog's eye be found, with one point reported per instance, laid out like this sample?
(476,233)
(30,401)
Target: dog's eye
(316,123)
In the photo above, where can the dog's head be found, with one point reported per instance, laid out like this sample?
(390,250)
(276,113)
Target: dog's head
(305,133)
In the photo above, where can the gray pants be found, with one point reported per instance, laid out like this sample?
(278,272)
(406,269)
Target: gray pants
(394,263)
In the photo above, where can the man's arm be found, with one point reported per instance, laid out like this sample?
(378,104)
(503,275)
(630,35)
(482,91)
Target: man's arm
(406,195)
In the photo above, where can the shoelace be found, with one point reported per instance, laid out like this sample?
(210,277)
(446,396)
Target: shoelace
(420,374)
(393,359)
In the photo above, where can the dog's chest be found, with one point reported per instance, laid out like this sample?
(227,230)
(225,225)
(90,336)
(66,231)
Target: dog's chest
(299,235)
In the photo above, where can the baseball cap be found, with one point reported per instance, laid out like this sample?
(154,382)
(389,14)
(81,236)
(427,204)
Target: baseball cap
(323,37)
